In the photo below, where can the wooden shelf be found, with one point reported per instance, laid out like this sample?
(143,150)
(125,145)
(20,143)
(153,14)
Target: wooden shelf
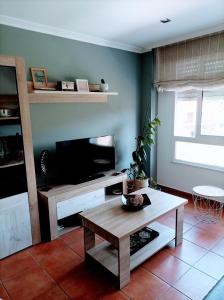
(68,97)
(106,255)
(43,96)
(12,164)
(12,102)
(9,120)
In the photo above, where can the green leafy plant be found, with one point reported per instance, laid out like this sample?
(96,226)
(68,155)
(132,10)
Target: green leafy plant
(144,142)
(153,184)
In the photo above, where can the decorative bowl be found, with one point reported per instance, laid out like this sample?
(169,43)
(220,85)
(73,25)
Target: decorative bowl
(135,202)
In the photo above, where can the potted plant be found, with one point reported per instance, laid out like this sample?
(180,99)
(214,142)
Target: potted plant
(137,171)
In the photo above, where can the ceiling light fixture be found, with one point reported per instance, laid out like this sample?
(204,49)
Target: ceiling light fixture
(165,20)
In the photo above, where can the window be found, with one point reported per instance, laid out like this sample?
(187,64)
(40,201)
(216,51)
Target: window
(212,119)
(200,153)
(199,128)
(185,115)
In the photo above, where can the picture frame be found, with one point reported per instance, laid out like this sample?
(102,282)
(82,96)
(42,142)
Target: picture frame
(82,85)
(39,77)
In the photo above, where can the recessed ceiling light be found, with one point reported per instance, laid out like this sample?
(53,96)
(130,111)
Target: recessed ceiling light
(165,20)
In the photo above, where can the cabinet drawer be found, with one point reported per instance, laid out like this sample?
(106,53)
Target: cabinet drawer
(79,203)
(15,228)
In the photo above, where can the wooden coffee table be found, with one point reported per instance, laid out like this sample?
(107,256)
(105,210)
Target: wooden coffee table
(115,225)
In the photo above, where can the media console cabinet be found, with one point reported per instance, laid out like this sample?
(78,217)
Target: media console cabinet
(66,200)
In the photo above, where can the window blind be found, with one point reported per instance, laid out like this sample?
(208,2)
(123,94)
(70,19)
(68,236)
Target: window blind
(192,64)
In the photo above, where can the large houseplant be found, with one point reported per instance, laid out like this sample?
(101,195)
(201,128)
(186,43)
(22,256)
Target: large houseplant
(138,171)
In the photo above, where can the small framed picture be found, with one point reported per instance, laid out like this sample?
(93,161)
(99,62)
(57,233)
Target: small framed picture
(39,77)
(82,85)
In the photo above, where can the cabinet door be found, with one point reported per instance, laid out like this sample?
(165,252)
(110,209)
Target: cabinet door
(79,203)
(15,229)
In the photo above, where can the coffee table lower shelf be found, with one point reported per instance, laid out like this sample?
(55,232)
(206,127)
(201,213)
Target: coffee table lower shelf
(107,255)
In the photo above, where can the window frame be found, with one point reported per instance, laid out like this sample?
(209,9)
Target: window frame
(199,138)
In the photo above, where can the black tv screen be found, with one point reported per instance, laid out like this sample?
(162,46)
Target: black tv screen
(84,159)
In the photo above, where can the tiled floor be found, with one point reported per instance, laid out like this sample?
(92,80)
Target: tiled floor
(56,270)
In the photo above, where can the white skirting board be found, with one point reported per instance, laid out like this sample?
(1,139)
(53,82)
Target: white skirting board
(15,227)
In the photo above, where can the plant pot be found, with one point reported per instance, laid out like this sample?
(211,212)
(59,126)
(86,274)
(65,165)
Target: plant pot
(141,183)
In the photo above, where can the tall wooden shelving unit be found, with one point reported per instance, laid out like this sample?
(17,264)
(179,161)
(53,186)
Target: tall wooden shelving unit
(23,121)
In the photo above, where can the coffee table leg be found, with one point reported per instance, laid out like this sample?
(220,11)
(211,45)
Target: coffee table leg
(89,239)
(179,225)
(124,262)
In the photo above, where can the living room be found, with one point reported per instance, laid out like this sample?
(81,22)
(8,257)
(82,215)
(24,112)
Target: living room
(148,90)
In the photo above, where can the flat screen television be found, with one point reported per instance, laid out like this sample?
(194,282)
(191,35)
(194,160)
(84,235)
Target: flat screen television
(84,159)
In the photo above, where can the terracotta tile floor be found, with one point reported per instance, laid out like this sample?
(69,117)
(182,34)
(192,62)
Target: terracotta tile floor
(56,270)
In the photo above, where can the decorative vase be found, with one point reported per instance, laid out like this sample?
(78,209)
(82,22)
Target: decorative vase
(104,87)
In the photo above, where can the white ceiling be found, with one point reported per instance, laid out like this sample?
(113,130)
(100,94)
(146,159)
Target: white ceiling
(132,25)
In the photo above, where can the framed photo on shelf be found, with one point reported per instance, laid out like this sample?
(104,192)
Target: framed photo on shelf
(39,77)
(82,85)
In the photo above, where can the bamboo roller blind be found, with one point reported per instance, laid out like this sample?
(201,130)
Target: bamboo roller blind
(192,64)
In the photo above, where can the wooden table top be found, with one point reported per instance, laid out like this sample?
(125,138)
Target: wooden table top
(112,218)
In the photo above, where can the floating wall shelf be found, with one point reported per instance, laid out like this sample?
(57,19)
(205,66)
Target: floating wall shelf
(6,119)
(43,96)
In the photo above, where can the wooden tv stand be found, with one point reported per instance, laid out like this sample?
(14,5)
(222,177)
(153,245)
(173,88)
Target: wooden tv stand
(65,200)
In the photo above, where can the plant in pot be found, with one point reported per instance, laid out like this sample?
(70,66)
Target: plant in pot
(137,171)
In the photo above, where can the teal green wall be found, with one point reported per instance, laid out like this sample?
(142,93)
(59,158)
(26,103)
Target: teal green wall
(66,60)
(148,107)
(147,87)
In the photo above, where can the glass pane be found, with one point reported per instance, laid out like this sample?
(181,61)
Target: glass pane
(185,115)
(212,122)
(12,167)
(204,154)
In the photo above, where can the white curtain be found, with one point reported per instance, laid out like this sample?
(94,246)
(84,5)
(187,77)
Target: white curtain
(192,64)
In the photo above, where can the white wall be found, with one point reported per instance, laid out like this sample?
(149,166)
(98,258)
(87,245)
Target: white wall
(175,175)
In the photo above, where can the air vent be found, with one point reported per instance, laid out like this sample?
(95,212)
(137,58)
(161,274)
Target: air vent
(165,20)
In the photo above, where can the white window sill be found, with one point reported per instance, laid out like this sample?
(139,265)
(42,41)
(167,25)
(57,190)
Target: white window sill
(196,165)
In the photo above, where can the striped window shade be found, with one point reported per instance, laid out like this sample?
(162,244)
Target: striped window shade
(192,64)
